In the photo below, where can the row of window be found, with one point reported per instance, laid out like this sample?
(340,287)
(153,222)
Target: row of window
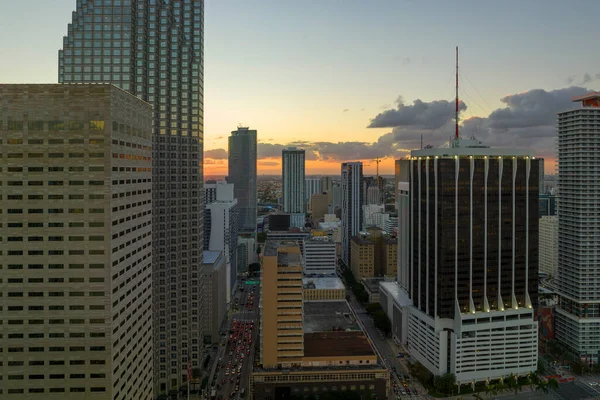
(91,168)
(54,211)
(55,390)
(52,141)
(56,294)
(53,266)
(70,125)
(37,363)
(54,183)
(50,280)
(74,307)
(54,155)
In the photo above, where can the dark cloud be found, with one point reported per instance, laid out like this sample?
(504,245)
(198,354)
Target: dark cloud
(419,115)
(216,154)
(270,150)
(346,110)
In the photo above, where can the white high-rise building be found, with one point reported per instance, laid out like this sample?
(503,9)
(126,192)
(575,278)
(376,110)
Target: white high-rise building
(75,243)
(292,171)
(311,186)
(352,201)
(319,256)
(370,212)
(221,219)
(210,192)
(578,313)
(549,244)
(473,264)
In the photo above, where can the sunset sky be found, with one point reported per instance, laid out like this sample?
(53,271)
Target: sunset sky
(355,79)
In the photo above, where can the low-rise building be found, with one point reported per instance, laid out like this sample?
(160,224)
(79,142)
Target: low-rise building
(396,305)
(319,256)
(320,289)
(362,252)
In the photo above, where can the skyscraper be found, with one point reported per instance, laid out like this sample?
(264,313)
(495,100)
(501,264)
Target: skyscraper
(76,243)
(578,312)
(312,186)
(155,51)
(352,201)
(473,268)
(242,173)
(292,171)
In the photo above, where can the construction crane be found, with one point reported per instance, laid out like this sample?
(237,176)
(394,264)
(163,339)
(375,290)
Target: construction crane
(377,160)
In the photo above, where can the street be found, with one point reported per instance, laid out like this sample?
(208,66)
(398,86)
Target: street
(233,364)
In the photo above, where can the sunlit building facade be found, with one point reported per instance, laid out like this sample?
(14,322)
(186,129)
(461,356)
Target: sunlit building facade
(154,50)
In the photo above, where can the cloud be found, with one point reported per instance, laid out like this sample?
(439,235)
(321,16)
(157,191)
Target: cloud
(406,61)
(216,154)
(346,110)
(420,114)
(270,150)
(268,163)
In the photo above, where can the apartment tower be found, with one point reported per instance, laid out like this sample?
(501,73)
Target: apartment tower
(242,173)
(352,201)
(473,268)
(281,325)
(578,312)
(292,171)
(154,50)
(75,243)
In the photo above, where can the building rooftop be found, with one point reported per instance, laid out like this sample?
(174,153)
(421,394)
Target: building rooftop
(360,239)
(467,147)
(394,290)
(211,256)
(328,316)
(319,240)
(284,257)
(336,344)
(323,283)
(372,284)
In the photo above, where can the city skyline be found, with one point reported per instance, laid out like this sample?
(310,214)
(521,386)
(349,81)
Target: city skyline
(346,73)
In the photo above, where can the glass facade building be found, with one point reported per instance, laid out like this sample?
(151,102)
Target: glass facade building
(242,173)
(154,49)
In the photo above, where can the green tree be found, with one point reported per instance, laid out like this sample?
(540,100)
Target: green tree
(382,321)
(254,268)
(445,383)
(421,373)
(373,307)
(553,384)
(512,384)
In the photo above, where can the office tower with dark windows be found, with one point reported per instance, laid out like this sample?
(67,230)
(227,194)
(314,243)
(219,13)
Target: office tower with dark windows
(292,171)
(352,202)
(154,49)
(473,263)
(75,243)
(578,312)
(242,173)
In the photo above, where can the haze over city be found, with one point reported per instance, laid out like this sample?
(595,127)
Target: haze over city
(355,80)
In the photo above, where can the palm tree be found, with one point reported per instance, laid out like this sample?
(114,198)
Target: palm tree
(553,385)
(541,387)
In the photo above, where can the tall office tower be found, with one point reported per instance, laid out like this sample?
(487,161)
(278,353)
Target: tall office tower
(292,171)
(549,244)
(352,201)
(327,186)
(210,193)
(542,177)
(75,243)
(474,260)
(281,323)
(374,195)
(401,174)
(404,222)
(221,229)
(154,49)
(312,186)
(319,256)
(242,173)
(336,197)
(578,312)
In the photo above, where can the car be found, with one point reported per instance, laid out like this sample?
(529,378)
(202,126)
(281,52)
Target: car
(222,381)
(227,372)
(593,383)
(403,392)
(408,391)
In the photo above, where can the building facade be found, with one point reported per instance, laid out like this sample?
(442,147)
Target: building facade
(76,243)
(549,244)
(214,273)
(242,173)
(319,256)
(319,206)
(548,204)
(155,51)
(352,201)
(363,257)
(578,312)
(221,230)
(292,171)
(311,186)
(473,268)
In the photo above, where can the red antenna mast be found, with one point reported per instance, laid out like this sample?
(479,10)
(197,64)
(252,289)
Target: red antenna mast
(456,134)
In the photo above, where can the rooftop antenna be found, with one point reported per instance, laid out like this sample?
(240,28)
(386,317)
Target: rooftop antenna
(456,134)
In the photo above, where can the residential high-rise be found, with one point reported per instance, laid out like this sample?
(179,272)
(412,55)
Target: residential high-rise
(292,171)
(215,304)
(473,268)
(548,204)
(578,312)
(542,177)
(352,201)
(549,244)
(336,198)
(401,174)
(221,230)
(242,173)
(75,243)
(312,186)
(155,51)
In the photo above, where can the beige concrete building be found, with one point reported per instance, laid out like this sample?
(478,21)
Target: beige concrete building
(548,246)
(320,289)
(75,248)
(281,305)
(363,257)
(390,256)
(319,206)
(214,278)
